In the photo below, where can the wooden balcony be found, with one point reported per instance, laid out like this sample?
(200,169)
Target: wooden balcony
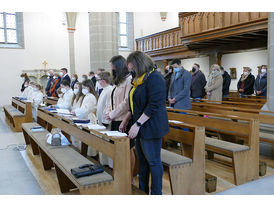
(201,33)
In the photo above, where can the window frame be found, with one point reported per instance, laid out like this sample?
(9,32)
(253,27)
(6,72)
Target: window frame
(19,32)
(119,31)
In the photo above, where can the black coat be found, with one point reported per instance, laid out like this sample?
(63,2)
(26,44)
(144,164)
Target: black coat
(150,98)
(226,83)
(93,79)
(198,83)
(167,79)
(261,85)
(248,85)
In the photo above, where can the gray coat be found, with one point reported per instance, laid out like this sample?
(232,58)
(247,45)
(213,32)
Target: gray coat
(180,89)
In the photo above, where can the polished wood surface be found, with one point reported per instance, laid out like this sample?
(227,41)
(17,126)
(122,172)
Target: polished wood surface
(116,148)
(50,100)
(245,163)
(188,179)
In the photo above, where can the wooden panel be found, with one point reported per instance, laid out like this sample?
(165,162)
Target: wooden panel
(211,20)
(234,18)
(254,15)
(243,17)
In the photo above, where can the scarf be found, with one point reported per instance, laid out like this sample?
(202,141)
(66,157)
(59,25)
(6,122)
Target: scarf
(244,77)
(137,82)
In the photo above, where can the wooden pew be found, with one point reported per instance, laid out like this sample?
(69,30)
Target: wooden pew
(18,112)
(116,148)
(186,171)
(50,100)
(252,105)
(245,158)
(264,117)
(63,159)
(248,100)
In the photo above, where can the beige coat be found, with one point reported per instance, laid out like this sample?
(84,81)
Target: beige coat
(215,87)
(120,100)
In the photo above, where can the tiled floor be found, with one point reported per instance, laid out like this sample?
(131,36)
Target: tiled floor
(15,176)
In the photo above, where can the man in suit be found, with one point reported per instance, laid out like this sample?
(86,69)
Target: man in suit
(50,79)
(92,77)
(64,76)
(179,89)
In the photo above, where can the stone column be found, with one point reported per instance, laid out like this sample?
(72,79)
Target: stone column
(71,21)
(270,68)
(103,32)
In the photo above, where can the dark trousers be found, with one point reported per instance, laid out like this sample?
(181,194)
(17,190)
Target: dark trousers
(149,156)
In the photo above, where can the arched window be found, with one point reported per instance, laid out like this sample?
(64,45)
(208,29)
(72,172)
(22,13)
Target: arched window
(125,29)
(11,30)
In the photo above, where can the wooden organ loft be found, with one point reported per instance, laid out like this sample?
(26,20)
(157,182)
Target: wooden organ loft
(207,33)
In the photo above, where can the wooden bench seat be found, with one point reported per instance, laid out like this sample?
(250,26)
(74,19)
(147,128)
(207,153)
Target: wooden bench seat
(224,145)
(18,112)
(172,159)
(245,158)
(117,148)
(14,117)
(186,170)
(63,159)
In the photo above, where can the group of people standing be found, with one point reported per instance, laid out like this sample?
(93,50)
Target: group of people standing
(182,85)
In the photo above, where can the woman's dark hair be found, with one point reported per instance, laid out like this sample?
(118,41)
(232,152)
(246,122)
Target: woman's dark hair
(142,63)
(79,95)
(88,83)
(65,83)
(121,70)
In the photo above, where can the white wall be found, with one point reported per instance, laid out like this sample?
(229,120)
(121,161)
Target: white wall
(146,23)
(244,59)
(45,39)
(202,61)
(82,45)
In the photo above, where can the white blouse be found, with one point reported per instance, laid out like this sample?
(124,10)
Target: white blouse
(64,102)
(88,106)
(103,103)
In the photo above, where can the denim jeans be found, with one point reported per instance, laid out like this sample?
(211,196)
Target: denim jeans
(149,156)
(226,95)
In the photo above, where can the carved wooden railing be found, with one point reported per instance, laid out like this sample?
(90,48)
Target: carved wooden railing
(198,26)
(201,22)
(166,39)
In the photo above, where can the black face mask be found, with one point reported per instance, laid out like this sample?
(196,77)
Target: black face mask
(193,69)
(114,73)
(133,74)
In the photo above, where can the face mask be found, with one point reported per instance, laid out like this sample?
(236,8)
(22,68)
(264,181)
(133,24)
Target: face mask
(245,73)
(73,79)
(63,90)
(76,91)
(113,73)
(177,69)
(96,76)
(133,74)
(54,77)
(193,69)
(263,70)
(47,78)
(213,71)
(84,91)
(61,74)
(35,89)
(26,85)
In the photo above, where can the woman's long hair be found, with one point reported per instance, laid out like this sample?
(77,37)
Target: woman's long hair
(121,71)
(88,83)
(79,94)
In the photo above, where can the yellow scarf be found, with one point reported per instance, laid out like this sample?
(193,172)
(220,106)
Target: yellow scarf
(136,83)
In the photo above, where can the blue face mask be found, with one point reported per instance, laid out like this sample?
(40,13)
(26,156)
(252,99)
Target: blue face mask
(177,69)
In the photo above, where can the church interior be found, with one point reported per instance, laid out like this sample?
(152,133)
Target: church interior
(215,147)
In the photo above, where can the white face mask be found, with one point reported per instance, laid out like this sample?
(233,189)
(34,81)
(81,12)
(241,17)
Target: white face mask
(83,79)
(25,85)
(263,70)
(245,73)
(35,89)
(84,91)
(73,79)
(96,76)
(54,77)
(61,74)
(213,71)
(76,91)
(63,90)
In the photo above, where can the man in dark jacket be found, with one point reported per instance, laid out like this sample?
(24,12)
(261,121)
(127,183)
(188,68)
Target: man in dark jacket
(226,82)
(168,72)
(50,79)
(64,76)
(260,85)
(92,77)
(198,82)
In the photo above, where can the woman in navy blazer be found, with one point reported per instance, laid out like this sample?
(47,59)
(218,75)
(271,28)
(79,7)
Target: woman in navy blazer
(147,100)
